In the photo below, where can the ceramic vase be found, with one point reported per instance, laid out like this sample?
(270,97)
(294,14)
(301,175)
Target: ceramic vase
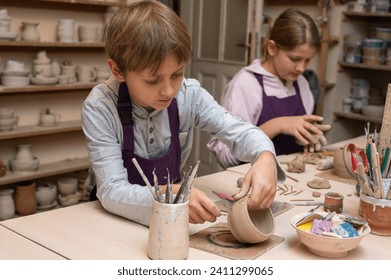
(30,31)
(25,200)
(168,237)
(24,153)
(7,204)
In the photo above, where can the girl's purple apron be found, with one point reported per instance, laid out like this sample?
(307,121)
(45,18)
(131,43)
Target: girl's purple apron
(170,161)
(274,107)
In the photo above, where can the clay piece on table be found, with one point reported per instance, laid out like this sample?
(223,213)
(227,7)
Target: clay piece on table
(297,165)
(316,194)
(312,158)
(319,184)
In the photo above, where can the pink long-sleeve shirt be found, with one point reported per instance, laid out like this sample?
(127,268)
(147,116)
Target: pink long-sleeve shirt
(243,98)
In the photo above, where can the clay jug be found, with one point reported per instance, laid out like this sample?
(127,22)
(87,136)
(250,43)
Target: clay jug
(25,200)
(7,205)
(24,153)
(30,31)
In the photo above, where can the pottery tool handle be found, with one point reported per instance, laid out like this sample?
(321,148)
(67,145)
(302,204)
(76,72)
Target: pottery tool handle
(145,179)
(379,177)
(363,180)
(385,131)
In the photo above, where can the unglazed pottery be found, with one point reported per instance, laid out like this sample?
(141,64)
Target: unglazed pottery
(168,237)
(69,199)
(67,185)
(339,166)
(250,226)
(30,31)
(377,212)
(325,246)
(25,201)
(46,194)
(24,153)
(333,202)
(7,204)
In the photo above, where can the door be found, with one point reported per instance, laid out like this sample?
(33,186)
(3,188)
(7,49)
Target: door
(225,36)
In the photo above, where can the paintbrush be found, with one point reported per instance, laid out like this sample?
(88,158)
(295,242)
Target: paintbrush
(224,195)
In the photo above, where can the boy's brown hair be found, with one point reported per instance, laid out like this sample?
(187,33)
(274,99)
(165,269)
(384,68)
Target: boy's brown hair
(140,35)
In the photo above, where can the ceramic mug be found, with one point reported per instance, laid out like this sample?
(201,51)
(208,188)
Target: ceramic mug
(89,34)
(168,237)
(85,73)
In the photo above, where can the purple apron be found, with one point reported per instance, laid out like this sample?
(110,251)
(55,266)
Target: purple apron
(275,107)
(170,161)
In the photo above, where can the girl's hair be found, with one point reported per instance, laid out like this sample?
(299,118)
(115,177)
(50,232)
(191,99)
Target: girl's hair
(141,35)
(291,29)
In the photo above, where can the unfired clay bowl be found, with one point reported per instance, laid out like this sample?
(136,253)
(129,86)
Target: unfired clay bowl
(69,199)
(24,165)
(67,185)
(377,212)
(339,166)
(250,226)
(46,194)
(324,246)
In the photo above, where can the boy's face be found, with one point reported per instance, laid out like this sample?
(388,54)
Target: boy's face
(155,90)
(290,64)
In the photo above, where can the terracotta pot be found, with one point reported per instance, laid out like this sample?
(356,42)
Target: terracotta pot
(377,212)
(25,200)
(339,166)
(333,202)
(250,226)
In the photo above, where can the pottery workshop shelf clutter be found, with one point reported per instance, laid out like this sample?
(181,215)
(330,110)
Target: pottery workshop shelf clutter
(43,62)
(47,71)
(367,58)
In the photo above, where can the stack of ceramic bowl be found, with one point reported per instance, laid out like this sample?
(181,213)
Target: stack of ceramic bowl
(8,120)
(360,94)
(5,23)
(352,48)
(15,74)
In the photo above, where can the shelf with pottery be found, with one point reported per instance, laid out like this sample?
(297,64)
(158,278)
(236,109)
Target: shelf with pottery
(358,117)
(366,15)
(46,88)
(37,130)
(92,5)
(365,66)
(22,45)
(46,170)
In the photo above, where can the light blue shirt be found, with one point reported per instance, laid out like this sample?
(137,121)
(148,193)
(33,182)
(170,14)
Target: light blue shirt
(196,108)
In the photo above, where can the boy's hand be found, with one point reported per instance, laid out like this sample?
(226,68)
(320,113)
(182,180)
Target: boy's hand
(261,182)
(201,208)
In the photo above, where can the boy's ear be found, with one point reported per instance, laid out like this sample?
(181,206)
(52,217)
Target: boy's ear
(115,70)
(271,48)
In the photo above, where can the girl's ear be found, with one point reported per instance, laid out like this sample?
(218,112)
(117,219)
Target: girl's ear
(115,70)
(271,48)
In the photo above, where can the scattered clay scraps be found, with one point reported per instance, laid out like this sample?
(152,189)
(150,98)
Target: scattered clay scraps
(319,184)
(297,165)
(316,194)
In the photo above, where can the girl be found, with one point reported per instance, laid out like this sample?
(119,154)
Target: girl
(273,94)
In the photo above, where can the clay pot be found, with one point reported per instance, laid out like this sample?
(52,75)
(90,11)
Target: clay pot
(377,212)
(25,201)
(30,31)
(250,226)
(333,202)
(46,194)
(168,237)
(7,204)
(339,166)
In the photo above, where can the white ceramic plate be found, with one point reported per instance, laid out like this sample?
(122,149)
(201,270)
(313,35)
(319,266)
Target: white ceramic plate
(22,73)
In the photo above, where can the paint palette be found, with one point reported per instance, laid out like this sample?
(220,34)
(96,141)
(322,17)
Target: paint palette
(327,245)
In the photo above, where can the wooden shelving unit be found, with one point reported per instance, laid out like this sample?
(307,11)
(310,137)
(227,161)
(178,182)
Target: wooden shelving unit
(44,88)
(46,170)
(358,117)
(36,130)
